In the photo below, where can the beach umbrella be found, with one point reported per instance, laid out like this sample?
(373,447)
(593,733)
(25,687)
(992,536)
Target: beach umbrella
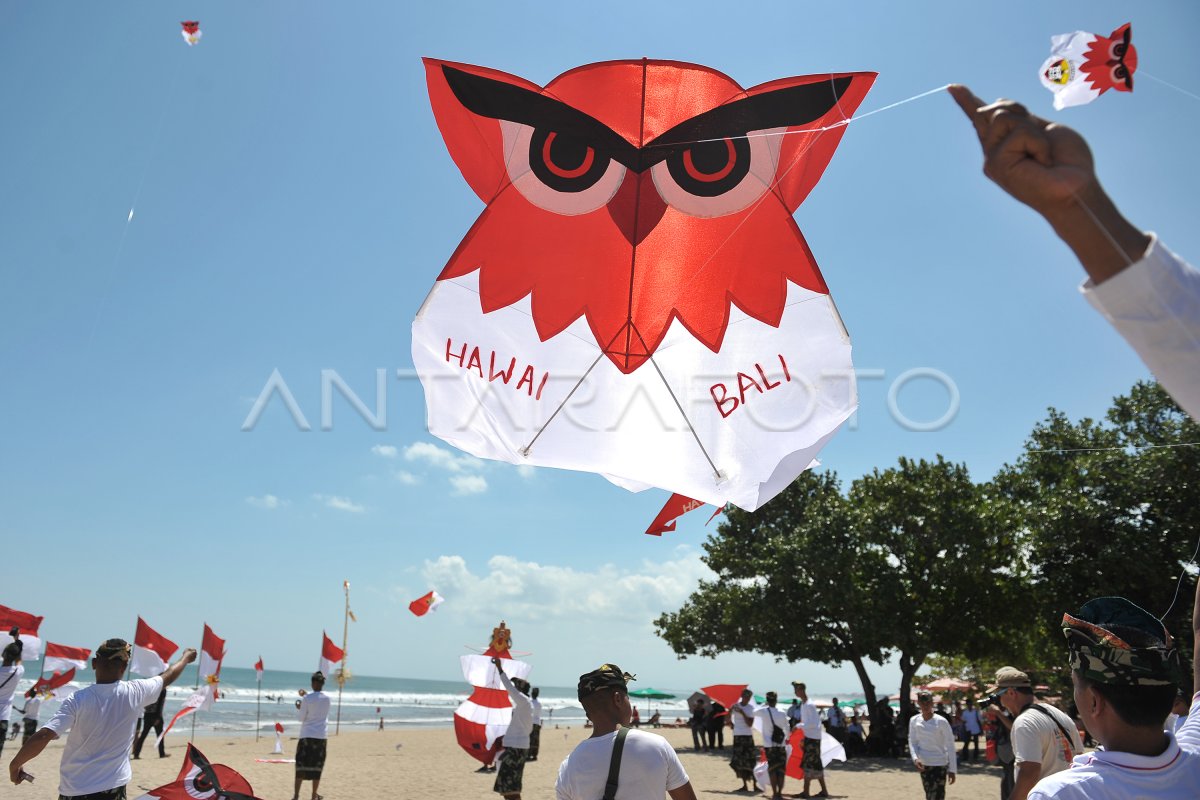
(724,693)
(650,693)
(948,685)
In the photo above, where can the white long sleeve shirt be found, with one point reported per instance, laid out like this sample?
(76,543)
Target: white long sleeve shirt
(931,741)
(1155,305)
(521,725)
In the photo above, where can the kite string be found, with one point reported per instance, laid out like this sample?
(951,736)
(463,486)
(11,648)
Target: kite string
(1144,74)
(1179,583)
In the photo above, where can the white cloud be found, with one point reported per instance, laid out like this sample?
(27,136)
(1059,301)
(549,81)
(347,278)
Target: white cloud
(526,471)
(537,592)
(468,484)
(441,458)
(407,478)
(385,450)
(340,503)
(267,501)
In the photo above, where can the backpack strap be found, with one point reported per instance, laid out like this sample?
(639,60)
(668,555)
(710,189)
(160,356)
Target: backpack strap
(614,766)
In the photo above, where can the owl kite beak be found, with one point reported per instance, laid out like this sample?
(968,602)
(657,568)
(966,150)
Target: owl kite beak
(636,208)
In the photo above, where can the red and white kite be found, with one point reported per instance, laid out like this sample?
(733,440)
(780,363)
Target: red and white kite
(831,750)
(636,299)
(484,717)
(191,32)
(151,651)
(57,685)
(331,656)
(201,780)
(1082,66)
(28,626)
(60,657)
(212,652)
(426,603)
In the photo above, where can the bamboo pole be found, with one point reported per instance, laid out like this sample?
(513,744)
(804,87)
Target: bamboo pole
(341,677)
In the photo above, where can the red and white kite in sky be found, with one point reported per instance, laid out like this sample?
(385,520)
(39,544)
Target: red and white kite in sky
(426,603)
(28,624)
(636,299)
(191,32)
(151,651)
(331,656)
(57,685)
(60,657)
(1082,66)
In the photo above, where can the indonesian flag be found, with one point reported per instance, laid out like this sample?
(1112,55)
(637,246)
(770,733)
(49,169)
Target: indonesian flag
(258,669)
(60,658)
(676,507)
(151,651)
(28,624)
(331,656)
(426,603)
(212,652)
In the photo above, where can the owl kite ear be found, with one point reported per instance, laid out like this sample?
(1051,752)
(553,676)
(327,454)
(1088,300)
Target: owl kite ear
(475,143)
(804,156)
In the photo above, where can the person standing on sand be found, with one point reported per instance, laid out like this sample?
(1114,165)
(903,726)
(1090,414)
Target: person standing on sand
(99,722)
(774,731)
(535,735)
(29,714)
(10,676)
(152,720)
(511,772)
(314,726)
(644,767)
(810,721)
(745,754)
(931,743)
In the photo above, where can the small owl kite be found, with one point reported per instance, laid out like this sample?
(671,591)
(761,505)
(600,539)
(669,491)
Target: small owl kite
(1083,66)
(191,32)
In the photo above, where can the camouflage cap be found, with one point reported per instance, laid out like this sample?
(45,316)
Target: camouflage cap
(607,676)
(1113,641)
(114,650)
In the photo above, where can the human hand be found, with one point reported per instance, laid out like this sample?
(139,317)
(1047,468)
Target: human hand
(1043,164)
(950,778)
(302,692)
(498,664)
(189,655)
(920,766)
(18,775)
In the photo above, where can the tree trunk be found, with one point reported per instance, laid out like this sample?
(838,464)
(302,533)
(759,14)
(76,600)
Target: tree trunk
(908,668)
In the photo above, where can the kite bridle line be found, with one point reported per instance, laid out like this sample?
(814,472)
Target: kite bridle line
(1141,72)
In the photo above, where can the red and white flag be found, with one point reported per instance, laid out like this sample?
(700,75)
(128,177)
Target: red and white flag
(151,651)
(28,626)
(258,669)
(676,507)
(201,699)
(331,656)
(60,658)
(426,603)
(212,652)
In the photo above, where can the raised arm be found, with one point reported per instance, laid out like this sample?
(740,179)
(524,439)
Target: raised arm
(175,670)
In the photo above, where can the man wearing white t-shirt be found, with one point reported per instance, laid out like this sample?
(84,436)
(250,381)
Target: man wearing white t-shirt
(647,767)
(1044,739)
(99,720)
(29,714)
(313,710)
(535,735)
(745,754)
(810,721)
(1125,669)
(10,676)
(774,733)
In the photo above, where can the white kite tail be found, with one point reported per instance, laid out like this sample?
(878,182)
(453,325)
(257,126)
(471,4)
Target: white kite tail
(201,699)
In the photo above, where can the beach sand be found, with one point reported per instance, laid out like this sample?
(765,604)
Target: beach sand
(427,763)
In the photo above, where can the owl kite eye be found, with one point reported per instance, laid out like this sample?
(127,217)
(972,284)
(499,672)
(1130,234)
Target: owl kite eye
(198,785)
(719,177)
(558,172)
(709,169)
(1118,50)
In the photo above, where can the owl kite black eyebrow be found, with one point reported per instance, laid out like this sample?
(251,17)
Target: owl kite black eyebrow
(794,105)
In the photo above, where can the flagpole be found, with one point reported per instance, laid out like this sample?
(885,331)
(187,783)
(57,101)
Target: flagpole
(342,672)
(197,711)
(258,703)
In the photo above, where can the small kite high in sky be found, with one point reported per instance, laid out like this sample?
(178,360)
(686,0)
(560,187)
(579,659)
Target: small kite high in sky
(1082,66)
(426,603)
(191,32)
(636,299)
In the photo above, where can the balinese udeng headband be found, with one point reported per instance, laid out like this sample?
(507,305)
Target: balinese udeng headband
(1099,652)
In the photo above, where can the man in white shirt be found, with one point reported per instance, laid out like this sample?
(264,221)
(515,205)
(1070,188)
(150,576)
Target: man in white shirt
(1125,668)
(774,732)
(29,714)
(314,735)
(644,768)
(99,720)
(931,743)
(510,774)
(745,754)
(10,676)
(973,722)
(535,735)
(1148,294)
(1044,739)
(810,721)
(836,719)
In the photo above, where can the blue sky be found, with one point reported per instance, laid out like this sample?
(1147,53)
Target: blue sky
(293,204)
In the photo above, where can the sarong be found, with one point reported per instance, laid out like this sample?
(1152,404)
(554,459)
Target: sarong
(310,758)
(108,794)
(511,770)
(811,762)
(776,759)
(933,779)
(745,756)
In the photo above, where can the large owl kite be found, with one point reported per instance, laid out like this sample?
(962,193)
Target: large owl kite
(1082,66)
(636,299)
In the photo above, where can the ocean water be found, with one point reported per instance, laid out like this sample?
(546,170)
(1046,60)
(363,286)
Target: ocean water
(400,702)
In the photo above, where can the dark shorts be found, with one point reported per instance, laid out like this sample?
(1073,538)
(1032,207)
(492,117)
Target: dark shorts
(110,794)
(813,768)
(28,729)
(745,755)
(933,780)
(511,771)
(310,758)
(776,759)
